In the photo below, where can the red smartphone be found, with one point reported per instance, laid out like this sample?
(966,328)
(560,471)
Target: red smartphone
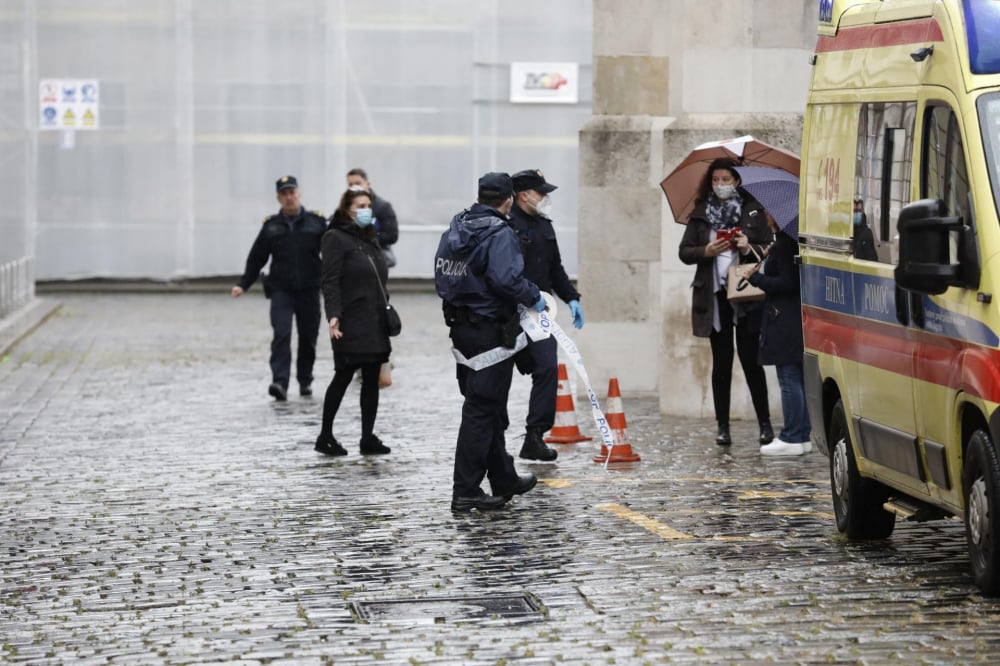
(727,235)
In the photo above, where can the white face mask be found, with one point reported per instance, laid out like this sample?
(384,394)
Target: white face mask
(544,206)
(724,191)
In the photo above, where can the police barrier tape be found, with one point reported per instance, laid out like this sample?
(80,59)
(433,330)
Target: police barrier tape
(492,356)
(595,407)
(544,327)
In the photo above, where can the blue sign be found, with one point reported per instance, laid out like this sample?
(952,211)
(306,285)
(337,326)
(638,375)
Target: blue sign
(826,11)
(49,115)
(88,92)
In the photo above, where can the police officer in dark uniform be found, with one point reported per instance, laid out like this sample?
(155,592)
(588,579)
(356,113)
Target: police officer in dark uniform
(291,239)
(542,265)
(479,274)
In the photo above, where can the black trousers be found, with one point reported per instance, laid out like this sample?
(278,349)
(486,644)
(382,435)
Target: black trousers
(747,329)
(544,384)
(481,449)
(303,306)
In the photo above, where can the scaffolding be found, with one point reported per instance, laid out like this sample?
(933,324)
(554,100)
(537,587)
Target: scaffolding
(204,104)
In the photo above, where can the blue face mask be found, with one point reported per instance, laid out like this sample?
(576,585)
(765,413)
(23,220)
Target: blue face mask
(363,217)
(857,219)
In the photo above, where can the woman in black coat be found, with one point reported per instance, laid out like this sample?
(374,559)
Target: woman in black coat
(722,206)
(781,341)
(353,266)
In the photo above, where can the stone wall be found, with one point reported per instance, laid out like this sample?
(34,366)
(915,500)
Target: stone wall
(662,85)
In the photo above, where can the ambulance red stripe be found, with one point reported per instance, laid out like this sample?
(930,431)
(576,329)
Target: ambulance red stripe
(909,352)
(919,31)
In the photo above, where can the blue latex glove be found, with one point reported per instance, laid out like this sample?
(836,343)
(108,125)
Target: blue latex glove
(577,311)
(540,305)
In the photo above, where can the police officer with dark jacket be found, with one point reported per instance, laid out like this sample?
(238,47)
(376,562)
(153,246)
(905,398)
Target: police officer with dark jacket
(291,239)
(479,274)
(529,217)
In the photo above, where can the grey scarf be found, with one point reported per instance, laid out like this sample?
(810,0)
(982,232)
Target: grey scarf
(724,214)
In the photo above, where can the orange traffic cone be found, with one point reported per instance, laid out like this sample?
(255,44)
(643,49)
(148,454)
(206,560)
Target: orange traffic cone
(621,450)
(565,430)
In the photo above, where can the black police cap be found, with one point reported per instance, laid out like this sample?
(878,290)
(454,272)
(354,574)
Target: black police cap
(532,179)
(495,184)
(285,182)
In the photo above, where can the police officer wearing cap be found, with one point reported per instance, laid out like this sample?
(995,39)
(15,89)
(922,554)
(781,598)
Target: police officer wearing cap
(291,239)
(479,274)
(530,218)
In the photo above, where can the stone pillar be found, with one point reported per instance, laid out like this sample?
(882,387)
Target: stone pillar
(663,83)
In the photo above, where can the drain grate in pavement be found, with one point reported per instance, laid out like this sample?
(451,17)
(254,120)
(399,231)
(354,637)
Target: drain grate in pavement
(441,610)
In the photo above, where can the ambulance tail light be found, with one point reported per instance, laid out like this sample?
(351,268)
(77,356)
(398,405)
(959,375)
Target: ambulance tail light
(935,252)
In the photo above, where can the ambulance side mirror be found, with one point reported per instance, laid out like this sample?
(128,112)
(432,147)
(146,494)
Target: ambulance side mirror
(927,244)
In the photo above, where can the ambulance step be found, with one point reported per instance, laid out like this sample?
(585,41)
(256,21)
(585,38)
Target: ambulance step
(910,509)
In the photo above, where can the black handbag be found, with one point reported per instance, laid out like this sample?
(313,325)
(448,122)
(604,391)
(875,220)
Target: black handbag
(393,325)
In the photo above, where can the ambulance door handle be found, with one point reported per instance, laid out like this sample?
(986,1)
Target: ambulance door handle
(902,306)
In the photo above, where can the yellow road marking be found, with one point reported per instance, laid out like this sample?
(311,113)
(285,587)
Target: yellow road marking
(557,483)
(659,529)
(668,533)
(764,494)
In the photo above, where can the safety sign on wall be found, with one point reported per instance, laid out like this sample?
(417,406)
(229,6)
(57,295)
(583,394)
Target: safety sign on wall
(544,82)
(68,104)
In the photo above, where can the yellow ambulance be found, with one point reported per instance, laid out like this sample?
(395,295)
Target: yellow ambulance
(900,265)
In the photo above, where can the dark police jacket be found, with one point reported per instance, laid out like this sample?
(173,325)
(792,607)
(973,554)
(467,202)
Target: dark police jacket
(384,219)
(479,266)
(294,252)
(351,290)
(781,321)
(542,261)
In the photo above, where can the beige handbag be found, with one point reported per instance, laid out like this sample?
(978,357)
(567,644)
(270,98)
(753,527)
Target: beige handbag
(738,290)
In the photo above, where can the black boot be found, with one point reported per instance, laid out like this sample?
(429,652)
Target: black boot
(534,447)
(329,446)
(766,433)
(372,445)
(723,438)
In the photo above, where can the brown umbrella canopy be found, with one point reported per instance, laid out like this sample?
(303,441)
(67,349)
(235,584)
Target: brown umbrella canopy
(681,186)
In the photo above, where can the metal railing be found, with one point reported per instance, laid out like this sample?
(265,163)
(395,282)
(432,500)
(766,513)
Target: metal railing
(17,285)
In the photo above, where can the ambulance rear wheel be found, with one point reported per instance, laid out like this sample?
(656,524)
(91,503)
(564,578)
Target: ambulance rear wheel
(857,502)
(981,487)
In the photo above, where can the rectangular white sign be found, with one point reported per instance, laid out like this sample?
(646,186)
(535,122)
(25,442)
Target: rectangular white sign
(68,104)
(544,82)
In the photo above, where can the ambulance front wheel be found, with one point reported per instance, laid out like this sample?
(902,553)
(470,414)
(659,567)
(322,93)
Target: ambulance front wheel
(981,486)
(857,502)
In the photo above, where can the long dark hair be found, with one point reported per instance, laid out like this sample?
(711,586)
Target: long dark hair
(342,216)
(727,163)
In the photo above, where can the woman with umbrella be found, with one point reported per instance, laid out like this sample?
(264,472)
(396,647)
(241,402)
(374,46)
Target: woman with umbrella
(781,341)
(724,215)
(781,323)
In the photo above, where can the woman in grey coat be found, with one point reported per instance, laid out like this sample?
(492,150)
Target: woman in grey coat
(353,267)
(722,206)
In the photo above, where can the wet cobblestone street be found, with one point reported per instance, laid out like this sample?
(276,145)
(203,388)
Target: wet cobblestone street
(156,506)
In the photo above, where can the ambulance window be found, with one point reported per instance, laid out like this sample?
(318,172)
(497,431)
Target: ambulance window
(944,175)
(882,171)
(989,125)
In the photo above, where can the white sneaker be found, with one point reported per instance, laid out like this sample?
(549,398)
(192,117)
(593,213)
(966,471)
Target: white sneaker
(780,448)
(807,446)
